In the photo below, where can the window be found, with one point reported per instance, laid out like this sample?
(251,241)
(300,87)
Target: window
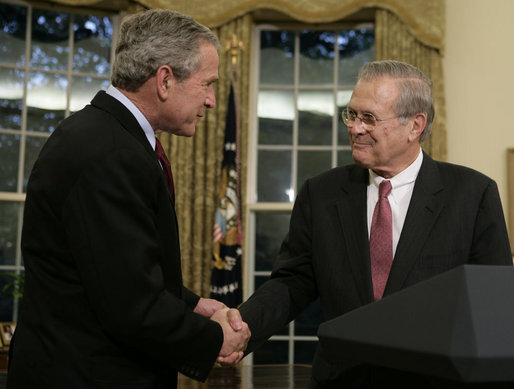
(305,78)
(51,64)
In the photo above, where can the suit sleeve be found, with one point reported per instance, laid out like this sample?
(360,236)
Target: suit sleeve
(292,286)
(190,297)
(110,220)
(490,238)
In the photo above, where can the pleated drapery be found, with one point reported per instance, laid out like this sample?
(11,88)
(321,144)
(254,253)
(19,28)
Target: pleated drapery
(197,161)
(394,40)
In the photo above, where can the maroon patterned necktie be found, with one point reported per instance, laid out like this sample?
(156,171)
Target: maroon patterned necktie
(381,240)
(166,167)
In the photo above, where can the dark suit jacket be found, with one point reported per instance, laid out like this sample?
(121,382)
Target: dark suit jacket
(454,217)
(104,303)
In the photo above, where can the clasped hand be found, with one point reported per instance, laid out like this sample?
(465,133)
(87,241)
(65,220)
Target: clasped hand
(236,333)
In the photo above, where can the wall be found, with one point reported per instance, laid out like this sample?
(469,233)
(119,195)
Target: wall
(479,80)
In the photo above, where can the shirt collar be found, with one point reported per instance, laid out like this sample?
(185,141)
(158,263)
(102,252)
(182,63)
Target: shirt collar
(406,177)
(141,119)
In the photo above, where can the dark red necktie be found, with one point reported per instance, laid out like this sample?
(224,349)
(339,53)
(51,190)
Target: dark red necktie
(381,240)
(166,167)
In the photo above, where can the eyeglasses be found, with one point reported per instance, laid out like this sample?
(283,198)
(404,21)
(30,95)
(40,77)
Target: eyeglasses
(367,119)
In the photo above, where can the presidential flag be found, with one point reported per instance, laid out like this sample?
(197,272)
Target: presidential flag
(226,273)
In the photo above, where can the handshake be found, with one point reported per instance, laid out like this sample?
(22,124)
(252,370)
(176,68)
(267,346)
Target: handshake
(236,333)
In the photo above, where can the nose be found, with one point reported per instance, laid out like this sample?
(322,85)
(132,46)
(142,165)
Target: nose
(358,127)
(210,100)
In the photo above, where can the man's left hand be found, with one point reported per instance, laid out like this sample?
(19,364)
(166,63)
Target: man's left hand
(207,307)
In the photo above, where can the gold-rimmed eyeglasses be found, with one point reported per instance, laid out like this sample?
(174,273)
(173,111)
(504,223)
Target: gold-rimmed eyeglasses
(369,120)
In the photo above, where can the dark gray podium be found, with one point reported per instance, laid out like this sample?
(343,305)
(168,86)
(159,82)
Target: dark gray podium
(457,326)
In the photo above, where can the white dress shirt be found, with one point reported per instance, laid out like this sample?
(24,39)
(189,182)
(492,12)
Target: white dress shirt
(399,198)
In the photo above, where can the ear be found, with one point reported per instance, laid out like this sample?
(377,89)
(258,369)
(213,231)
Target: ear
(164,80)
(418,125)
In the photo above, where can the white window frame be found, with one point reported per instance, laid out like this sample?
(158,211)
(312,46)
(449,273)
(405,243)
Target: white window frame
(252,204)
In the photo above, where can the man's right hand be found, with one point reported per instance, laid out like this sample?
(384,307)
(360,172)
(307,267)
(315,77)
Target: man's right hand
(236,335)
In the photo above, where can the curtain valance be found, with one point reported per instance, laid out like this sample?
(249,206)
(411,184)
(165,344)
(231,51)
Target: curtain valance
(425,19)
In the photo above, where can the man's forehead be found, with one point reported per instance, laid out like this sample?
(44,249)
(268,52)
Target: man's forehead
(384,88)
(210,63)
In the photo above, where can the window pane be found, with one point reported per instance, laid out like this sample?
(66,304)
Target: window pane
(9,155)
(308,321)
(311,163)
(274,176)
(13,21)
(315,111)
(92,46)
(83,89)
(273,351)
(344,157)
(6,301)
(46,100)
(342,134)
(33,145)
(270,230)
(343,98)
(11,98)
(304,352)
(356,48)
(275,110)
(9,212)
(316,57)
(259,280)
(276,57)
(50,33)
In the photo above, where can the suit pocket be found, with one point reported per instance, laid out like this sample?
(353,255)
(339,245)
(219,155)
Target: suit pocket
(442,260)
(432,264)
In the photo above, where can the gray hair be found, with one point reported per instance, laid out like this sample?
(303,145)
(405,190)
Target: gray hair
(155,38)
(415,89)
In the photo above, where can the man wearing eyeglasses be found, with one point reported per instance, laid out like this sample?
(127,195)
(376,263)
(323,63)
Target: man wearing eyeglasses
(439,216)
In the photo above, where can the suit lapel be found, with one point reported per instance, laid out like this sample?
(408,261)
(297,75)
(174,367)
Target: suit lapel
(112,106)
(352,215)
(127,120)
(424,209)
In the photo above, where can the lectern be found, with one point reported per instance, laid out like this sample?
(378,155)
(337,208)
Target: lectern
(457,326)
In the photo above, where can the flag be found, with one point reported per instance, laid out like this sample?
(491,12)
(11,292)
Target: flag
(226,285)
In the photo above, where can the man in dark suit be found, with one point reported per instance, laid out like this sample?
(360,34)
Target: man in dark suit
(443,216)
(104,304)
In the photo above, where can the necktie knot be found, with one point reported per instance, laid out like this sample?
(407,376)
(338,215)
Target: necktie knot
(159,150)
(384,188)
(166,167)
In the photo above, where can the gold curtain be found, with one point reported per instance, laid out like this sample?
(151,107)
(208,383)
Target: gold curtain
(393,40)
(196,161)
